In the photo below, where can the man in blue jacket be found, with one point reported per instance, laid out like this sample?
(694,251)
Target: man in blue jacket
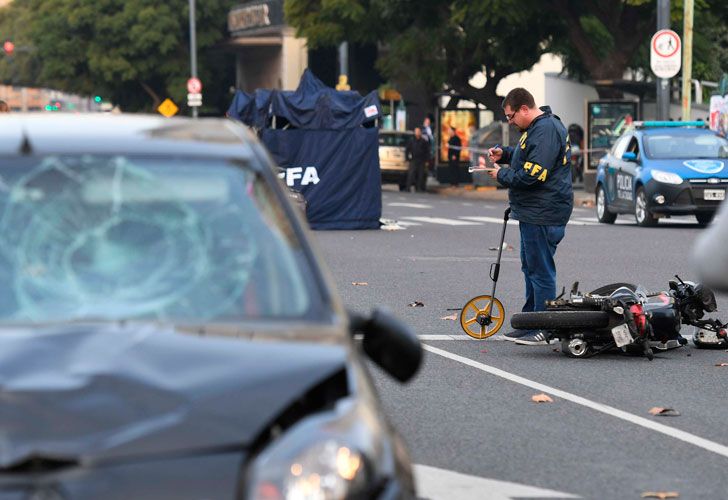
(540,194)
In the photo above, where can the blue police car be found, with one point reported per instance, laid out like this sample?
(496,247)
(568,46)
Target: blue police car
(659,169)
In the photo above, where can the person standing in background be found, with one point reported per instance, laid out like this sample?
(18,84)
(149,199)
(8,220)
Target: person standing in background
(454,145)
(427,134)
(418,153)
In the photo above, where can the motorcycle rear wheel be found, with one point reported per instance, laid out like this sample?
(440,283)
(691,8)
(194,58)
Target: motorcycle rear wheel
(555,320)
(610,288)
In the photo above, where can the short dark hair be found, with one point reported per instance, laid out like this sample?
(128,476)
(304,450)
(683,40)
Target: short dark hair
(519,97)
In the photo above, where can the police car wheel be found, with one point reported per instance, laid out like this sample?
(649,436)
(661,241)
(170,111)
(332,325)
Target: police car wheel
(705,219)
(603,213)
(642,214)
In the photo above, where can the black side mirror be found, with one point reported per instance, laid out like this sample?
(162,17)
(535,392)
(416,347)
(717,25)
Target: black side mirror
(389,342)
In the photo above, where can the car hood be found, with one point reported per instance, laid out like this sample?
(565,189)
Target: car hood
(694,169)
(94,392)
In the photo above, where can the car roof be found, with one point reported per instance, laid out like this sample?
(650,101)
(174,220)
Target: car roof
(675,131)
(105,133)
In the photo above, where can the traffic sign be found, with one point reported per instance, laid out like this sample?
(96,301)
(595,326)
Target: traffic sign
(194,85)
(665,54)
(194,100)
(168,108)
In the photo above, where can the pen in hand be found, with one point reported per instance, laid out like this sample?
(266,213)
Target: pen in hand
(482,168)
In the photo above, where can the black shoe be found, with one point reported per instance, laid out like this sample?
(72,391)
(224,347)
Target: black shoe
(533,338)
(515,334)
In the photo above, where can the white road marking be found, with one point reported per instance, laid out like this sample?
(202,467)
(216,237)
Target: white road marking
(445,337)
(496,220)
(440,484)
(442,220)
(407,223)
(409,205)
(511,222)
(678,434)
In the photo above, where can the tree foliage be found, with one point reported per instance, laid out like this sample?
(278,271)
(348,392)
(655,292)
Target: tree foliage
(133,52)
(442,44)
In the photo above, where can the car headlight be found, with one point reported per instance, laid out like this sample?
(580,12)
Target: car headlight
(666,177)
(325,456)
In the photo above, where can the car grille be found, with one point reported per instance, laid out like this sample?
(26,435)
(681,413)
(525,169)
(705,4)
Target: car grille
(697,186)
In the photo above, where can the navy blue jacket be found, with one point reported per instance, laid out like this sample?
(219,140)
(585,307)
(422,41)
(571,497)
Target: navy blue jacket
(539,177)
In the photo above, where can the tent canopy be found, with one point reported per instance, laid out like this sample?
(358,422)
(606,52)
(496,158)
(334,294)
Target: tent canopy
(312,106)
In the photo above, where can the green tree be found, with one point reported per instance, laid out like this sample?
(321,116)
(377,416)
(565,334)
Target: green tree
(133,52)
(440,45)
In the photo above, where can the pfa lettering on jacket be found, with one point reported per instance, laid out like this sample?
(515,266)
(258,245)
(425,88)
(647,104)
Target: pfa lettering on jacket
(307,176)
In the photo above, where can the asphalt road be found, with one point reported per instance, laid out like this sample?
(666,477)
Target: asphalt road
(469,410)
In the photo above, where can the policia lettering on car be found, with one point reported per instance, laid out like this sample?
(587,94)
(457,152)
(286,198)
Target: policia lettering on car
(624,187)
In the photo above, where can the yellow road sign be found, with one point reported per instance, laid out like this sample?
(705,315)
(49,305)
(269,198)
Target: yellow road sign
(168,108)
(343,83)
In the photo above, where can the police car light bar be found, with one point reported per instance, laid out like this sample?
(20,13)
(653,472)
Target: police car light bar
(641,124)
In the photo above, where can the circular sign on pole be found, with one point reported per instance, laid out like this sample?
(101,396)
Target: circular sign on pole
(665,54)
(194,85)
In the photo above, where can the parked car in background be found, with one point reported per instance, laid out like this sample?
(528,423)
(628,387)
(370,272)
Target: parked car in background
(660,169)
(393,156)
(167,330)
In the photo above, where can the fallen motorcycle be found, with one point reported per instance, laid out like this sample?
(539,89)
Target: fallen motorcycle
(624,316)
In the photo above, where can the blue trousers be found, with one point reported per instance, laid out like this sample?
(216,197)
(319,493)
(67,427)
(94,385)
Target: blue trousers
(538,246)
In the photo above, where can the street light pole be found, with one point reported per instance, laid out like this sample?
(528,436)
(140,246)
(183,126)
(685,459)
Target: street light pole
(663,84)
(687,67)
(193,49)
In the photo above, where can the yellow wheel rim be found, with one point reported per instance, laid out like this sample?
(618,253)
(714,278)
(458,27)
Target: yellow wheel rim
(478,307)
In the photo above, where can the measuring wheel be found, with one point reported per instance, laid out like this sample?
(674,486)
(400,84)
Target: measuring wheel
(482,317)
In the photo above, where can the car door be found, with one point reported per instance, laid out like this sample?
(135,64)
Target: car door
(613,166)
(626,174)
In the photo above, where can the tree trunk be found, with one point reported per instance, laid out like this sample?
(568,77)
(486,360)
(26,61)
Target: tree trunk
(156,101)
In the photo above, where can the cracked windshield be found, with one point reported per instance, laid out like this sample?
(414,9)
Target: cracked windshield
(116,237)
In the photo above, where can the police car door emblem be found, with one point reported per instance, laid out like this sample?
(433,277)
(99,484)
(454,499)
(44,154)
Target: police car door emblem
(705,166)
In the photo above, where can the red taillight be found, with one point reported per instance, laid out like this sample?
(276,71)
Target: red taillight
(639,317)
(722,333)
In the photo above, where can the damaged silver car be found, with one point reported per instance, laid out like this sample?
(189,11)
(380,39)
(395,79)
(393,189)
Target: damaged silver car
(166,329)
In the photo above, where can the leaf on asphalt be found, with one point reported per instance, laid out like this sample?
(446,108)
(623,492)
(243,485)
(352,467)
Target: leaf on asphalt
(662,495)
(452,317)
(416,303)
(541,398)
(664,412)
(721,364)
(360,283)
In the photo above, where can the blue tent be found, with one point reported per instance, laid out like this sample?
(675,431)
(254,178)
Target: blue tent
(326,140)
